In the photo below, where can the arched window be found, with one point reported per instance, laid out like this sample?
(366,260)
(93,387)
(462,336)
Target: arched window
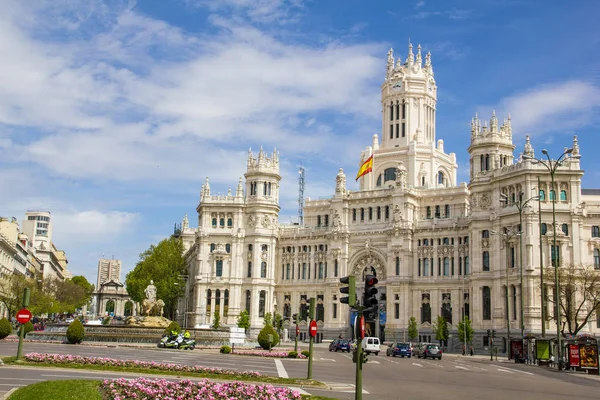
(229,222)
(447,210)
(263,269)
(321,270)
(261,303)
(248,300)
(552,195)
(208,301)
(422,181)
(542,195)
(379,180)
(485,233)
(486,260)
(437,211)
(354,215)
(387,212)
(212,247)
(389,175)
(563,195)
(214,222)
(441,179)
(218,302)
(544,228)
(228,248)
(446,266)
(128,311)
(226,303)
(486,303)
(110,307)
(370,213)
(362,214)
(264,247)
(596,258)
(428,212)
(219,268)
(222,222)
(565,229)
(426,267)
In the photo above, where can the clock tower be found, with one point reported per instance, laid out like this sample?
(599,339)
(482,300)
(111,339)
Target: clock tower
(408,99)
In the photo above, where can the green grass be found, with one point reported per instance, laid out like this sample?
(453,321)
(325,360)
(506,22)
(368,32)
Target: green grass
(264,379)
(59,390)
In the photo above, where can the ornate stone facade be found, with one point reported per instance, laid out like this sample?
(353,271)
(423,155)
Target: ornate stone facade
(430,240)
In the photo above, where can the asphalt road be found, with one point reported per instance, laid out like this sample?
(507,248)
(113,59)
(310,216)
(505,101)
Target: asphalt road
(453,377)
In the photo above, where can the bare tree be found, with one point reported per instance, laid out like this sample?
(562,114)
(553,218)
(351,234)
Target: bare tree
(579,296)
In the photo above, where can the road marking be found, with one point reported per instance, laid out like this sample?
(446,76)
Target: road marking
(11,385)
(344,387)
(327,359)
(374,362)
(459,367)
(418,365)
(297,389)
(516,370)
(281,369)
(505,370)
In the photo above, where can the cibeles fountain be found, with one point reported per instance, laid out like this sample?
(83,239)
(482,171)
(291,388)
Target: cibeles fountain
(152,310)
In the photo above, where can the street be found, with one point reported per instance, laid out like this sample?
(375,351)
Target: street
(453,377)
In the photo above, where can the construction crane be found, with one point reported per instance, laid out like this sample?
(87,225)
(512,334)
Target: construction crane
(301,196)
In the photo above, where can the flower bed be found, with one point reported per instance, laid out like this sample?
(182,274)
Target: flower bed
(259,353)
(111,362)
(150,389)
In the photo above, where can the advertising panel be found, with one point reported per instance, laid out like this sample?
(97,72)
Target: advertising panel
(573,355)
(588,356)
(516,348)
(542,348)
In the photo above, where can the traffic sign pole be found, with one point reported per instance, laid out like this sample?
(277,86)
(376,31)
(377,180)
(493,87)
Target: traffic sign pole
(26,318)
(297,334)
(311,316)
(359,337)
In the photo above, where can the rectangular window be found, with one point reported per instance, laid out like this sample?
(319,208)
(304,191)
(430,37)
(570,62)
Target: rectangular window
(335,310)
(396,311)
(486,341)
(391,131)
(403,111)
(397,130)
(335,268)
(219,268)
(249,275)
(397,265)
(555,255)
(595,231)
(403,129)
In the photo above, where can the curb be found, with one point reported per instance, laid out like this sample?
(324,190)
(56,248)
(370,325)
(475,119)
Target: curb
(7,394)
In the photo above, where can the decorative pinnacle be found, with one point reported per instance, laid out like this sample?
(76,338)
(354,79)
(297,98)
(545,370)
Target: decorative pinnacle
(575,146)
(419,59)
(411,56)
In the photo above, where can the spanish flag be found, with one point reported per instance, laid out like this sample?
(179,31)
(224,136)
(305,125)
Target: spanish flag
(365,168)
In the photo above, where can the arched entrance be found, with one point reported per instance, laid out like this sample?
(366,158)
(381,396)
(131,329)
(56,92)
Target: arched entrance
(110,307)
(128,309)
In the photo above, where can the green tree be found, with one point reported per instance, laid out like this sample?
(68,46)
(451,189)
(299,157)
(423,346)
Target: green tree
(164,264)
(268,319)
(263,337)
(440,328)
(413,329)
(216,320)
(11,292)
(278,323)
(243,320)
(88,288)
(464,326)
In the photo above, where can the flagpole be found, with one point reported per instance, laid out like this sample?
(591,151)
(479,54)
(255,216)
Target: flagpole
(372,186)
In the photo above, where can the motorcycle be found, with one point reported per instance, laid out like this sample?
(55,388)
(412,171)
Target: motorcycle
(176,342)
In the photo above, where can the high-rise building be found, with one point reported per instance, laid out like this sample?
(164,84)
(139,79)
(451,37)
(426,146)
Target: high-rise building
(438,247)
(108,270)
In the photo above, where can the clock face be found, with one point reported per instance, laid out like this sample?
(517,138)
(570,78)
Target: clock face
(397,86)
(430,88)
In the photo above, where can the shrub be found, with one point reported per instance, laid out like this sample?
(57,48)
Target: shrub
(5,328)
(28,327)
(225,349)
(216,320)
(173,326)
(292,354)
(106,321)
(263,337)
(305,353)
(75,333)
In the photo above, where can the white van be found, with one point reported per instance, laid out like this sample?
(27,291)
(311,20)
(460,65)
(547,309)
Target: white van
(371,345)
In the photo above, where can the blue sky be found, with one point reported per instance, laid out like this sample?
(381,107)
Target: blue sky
(112,113)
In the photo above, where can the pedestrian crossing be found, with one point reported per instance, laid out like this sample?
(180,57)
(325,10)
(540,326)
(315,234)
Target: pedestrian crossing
(454,365)
(343,387)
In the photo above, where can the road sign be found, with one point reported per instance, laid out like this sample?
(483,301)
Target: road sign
(23,316)
(312,330)
(362,327)
(297,330)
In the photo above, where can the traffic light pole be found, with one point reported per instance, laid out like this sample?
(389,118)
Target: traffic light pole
(311,316)
(296,339)
(358,328)
(22,326)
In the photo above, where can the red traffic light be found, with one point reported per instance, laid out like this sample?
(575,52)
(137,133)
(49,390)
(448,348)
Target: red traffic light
(370,280)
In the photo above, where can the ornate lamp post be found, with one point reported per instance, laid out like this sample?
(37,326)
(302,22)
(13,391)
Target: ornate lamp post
(552,166)
(507,236)
(520,204)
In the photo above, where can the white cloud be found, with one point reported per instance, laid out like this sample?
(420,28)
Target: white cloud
(420,4)
(281,11)
(90,226)
(553,107)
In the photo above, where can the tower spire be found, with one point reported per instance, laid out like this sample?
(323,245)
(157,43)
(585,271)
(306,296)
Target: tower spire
(419,59)
(411,56)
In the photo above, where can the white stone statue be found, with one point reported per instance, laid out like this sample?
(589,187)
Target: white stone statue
(151,292)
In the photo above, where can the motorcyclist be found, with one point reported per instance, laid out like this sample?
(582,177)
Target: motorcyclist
(187,334)
(173,335)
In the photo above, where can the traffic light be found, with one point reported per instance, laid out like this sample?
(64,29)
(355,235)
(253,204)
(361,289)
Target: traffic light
(493,333)
(369,298)
(350,290)
(489,333)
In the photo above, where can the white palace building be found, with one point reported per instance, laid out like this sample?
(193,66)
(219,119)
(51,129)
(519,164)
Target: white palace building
(437,246)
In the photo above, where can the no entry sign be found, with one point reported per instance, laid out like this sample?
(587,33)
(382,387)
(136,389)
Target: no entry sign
(23,316)
(312,330)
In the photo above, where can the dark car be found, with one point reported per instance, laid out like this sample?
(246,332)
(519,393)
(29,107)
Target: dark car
(428,350)
(339,344)
(399,349)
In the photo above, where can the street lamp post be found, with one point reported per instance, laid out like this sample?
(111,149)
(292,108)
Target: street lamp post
(552,166)
(521,204)
(507,237)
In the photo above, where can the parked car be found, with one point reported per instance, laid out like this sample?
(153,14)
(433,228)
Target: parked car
(426,350)
(399,349)
(371,345)
(339,344)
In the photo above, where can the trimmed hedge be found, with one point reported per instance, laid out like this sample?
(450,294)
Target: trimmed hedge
(5,328)
(225,349)
(293,354)
(76,332)
(305,353)
(28,328)
(263,337)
